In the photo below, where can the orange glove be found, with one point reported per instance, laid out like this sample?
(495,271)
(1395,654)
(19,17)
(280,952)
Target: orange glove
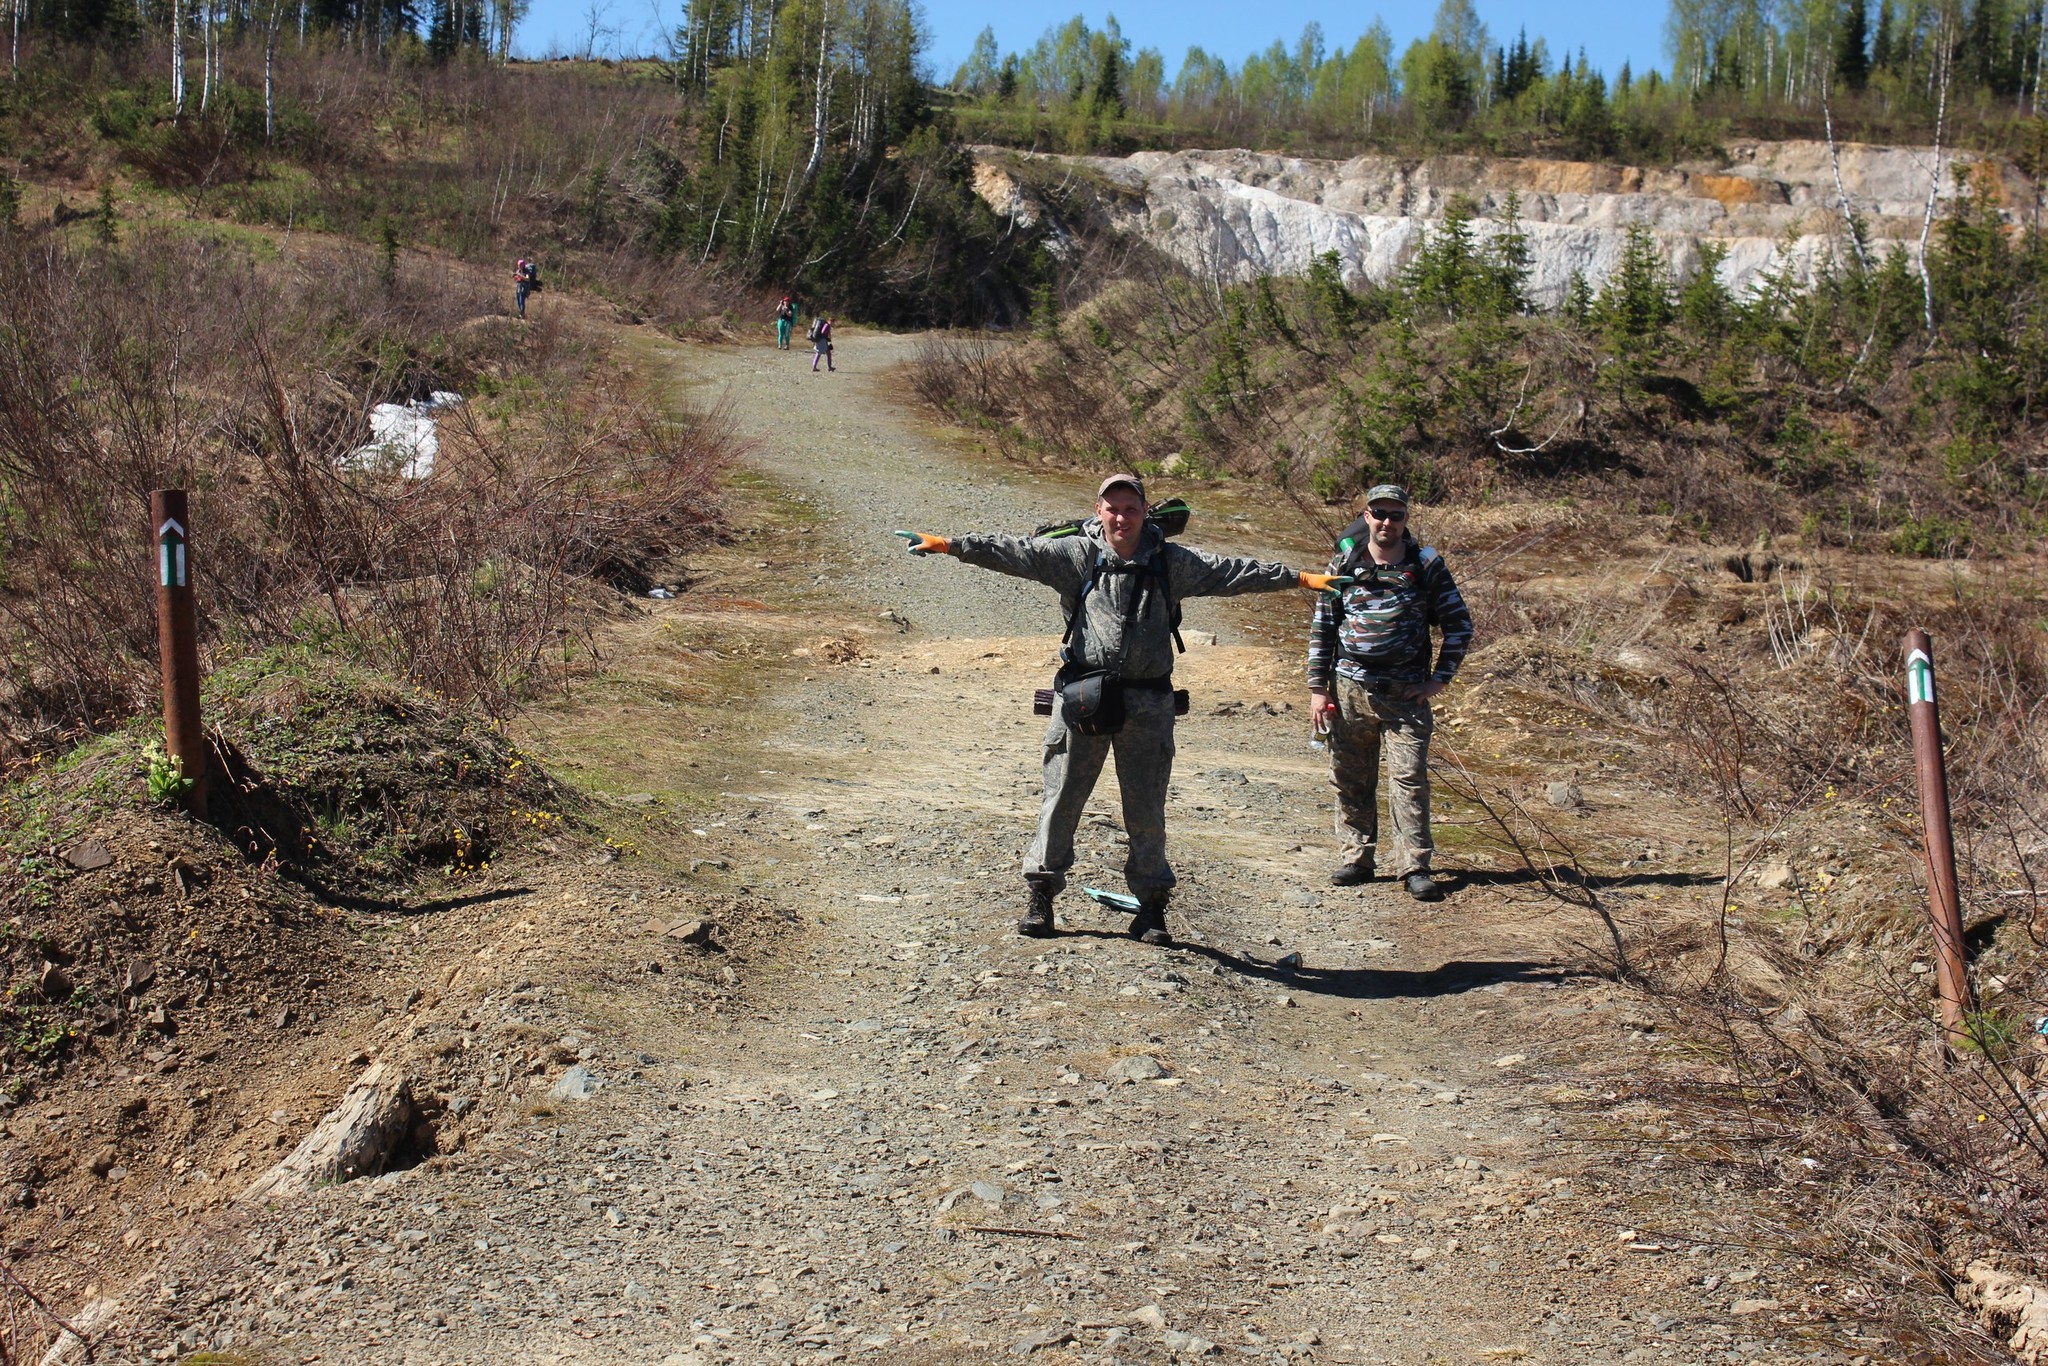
(921,544)
(1325,583)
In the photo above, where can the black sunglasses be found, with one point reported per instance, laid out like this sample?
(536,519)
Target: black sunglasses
(1390,515)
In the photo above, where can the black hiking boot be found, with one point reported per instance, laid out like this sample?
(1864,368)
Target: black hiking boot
(1148,926)
(1354,873)
(1037,921)
(1423,887)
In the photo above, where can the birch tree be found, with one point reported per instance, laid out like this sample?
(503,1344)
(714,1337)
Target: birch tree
(823,91)
(177,57)
(273,26)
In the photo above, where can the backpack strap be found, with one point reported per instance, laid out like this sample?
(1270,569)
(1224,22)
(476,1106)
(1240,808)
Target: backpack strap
(1351,546)
(1080,601)
(1165,578)
(1134,609)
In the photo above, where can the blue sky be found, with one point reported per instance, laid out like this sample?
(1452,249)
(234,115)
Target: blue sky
(1610,33)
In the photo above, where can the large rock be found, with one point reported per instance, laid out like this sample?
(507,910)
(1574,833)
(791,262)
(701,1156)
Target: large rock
(1236,214)
(70,1345)
(1140,1068)
(357,1138)
(2009,1307)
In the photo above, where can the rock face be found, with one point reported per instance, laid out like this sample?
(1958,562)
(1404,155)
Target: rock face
(1235,215)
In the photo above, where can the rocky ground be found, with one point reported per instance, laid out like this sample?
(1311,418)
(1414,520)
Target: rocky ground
(780,1085)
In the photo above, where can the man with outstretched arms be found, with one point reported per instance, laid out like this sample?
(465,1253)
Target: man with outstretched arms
(1370,683)
(1120,582)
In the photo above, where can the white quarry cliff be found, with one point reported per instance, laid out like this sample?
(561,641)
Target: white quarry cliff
(1234,215)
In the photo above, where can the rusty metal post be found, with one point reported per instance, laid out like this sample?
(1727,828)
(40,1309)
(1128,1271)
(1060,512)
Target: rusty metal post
(1944,904)
(177,634)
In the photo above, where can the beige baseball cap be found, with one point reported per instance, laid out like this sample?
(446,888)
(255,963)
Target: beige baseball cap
(1115,479)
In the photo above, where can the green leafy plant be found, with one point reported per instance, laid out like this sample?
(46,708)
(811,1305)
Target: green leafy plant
(164,775)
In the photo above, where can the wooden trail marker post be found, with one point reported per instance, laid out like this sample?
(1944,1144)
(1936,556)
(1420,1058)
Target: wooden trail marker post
(177,634)
(1944,905)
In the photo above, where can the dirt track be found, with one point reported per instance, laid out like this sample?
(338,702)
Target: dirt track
(910,1142)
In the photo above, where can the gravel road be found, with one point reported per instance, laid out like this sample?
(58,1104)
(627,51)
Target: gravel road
(924,1139)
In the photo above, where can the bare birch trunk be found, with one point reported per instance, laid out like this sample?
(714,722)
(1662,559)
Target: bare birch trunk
(14,50)
(273,24)
(822,101)
(178,57)
(2040,61)
(1934,185)
(1841,191)
(205,54)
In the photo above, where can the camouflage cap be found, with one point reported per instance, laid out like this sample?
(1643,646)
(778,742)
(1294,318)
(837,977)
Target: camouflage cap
(1387,493)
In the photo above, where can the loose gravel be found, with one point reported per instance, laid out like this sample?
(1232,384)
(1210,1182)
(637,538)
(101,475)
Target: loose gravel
(924,1139)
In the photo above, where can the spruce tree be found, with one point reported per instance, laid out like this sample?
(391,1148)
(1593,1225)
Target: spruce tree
(1852,60)
(1882,55)
(1106,93)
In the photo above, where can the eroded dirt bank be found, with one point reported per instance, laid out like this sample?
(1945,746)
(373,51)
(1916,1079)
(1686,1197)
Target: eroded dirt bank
(867,1121)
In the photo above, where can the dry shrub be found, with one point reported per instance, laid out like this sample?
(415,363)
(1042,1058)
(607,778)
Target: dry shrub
(959,373)
(1805,1067)
(185,363)
(1813,1071)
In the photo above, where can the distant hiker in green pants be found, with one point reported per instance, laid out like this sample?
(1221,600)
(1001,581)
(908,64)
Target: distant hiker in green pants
(1120,583)
(785,319)
(1370,682)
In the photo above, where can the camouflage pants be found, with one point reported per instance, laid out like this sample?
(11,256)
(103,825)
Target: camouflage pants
(1367,722)
(1144,765)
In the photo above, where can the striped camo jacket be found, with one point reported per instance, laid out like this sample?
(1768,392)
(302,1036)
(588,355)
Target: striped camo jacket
(1380,628)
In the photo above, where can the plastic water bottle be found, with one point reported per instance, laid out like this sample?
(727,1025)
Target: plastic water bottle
(1319,735)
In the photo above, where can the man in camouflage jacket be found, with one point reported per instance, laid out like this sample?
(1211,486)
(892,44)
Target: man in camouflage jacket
(1370,682)
(1118,580)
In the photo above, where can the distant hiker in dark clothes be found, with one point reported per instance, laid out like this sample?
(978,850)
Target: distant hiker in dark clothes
(1120,581)
(785,319)
(525,280)
(821,342)
(1370,681)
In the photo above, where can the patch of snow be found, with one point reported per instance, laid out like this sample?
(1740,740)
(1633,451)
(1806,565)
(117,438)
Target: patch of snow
(403,438)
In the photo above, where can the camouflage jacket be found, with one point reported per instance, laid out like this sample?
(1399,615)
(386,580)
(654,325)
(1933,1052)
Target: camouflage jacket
(1380,627)
(1065,564)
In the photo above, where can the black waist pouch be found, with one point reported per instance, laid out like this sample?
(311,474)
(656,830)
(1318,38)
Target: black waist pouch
(1091,703)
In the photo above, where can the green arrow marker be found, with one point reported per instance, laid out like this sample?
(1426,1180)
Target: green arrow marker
(1919,678)
(170,543)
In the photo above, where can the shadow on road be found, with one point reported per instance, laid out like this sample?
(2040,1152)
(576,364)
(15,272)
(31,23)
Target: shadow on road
(351,901)
(1368,984)
(1381,984)
(1456,879)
